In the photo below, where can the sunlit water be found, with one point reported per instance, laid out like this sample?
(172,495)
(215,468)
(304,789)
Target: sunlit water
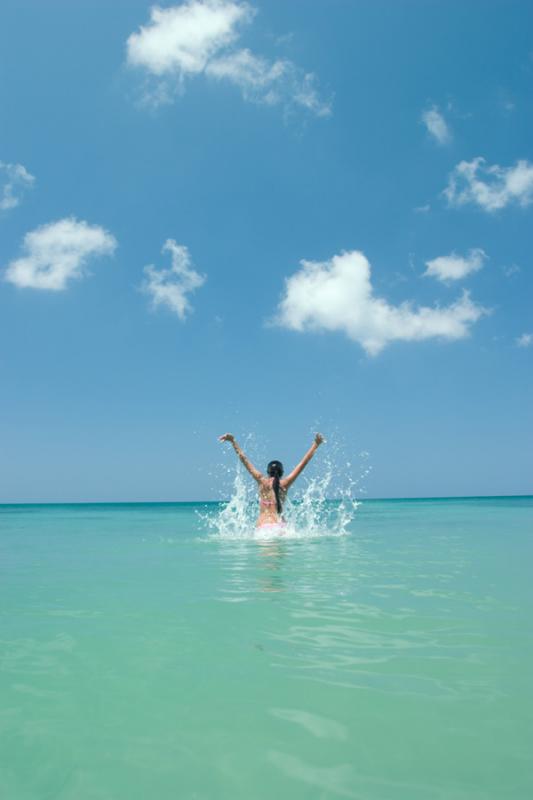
(381,651)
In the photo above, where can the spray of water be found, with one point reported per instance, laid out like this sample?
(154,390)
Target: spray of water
(319,504)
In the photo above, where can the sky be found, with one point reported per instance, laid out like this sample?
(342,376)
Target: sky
(267,218)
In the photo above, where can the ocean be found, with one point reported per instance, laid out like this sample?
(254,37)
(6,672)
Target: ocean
(379,651)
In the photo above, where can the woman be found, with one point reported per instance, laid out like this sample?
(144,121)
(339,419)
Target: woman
(273,487)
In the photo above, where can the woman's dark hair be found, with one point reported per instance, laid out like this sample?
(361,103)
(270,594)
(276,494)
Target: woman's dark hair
(275,470)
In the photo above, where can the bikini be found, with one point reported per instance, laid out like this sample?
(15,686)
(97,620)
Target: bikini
(271,525)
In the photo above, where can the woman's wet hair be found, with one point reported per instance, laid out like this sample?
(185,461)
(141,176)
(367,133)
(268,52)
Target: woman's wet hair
(275,470)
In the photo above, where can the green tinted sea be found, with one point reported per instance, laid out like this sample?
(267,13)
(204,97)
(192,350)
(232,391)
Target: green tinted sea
(144,655)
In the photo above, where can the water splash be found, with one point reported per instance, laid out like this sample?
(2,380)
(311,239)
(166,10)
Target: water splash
(320,505)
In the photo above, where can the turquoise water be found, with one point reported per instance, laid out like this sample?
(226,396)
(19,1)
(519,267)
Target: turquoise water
(145,656)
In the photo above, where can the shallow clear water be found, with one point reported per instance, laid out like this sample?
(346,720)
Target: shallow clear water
(143,655)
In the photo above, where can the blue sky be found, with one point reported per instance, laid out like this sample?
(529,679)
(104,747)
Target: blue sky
(345,192)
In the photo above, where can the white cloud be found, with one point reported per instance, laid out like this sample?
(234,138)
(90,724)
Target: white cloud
(436,125)
(57,253)
(525,340)
(511,270)
(199,37)
(170,287)
(182,39)
(272,83)
(422,209)
(455,267)
(14,180)
(337,295)
(490,187)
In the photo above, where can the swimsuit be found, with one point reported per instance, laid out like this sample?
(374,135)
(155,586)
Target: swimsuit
(271,526)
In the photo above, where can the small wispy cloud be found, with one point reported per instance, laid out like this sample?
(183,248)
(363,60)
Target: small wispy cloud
(171,287)
(15,180)
(337,295)
(57,253)
(199,37)
(525,340)
(490,187)
(436,125)
(512,269)
(455,267)
(273,83)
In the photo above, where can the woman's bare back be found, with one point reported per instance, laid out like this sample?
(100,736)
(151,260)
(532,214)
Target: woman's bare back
(273,487)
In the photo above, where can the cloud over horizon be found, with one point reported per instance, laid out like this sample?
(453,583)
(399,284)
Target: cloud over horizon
(200,37)
(57,253)
(455,267)
(14,181)
(490,187)
(337,295)
(170,287)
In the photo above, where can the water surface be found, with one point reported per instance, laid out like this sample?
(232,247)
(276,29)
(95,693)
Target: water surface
(141,655)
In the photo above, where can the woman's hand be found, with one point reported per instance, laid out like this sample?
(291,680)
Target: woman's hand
(319,439)
(226,437)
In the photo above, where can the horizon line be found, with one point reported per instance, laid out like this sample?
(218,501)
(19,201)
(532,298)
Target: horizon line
(226,500)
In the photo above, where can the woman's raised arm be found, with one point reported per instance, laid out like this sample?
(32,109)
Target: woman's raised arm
(286,482)
(229,437)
